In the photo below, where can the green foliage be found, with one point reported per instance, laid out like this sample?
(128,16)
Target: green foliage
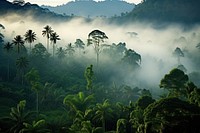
(175,82)
(30,37)
(70,50)
(169,111)
(32,75)
(144,101)
(19,42)
(47,32)
(121,126)
(18,116)
(132,58)
(97,37)
(194,97)
(103,112)
(35,127)
(78,101)
(40,52)
(89,75)
(54,37)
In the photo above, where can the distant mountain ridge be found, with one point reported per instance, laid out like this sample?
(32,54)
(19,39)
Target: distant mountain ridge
(27,9)
(90,8)
(177,11)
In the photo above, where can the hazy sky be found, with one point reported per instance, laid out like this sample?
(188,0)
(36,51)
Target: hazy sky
(60,2)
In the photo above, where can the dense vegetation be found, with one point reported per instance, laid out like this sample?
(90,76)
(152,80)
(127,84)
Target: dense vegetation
(82,88)
(78,88)
(165,11)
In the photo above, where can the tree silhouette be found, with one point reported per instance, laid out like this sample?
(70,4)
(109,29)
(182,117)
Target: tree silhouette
(79,44)
(18,116)
(22,63)
(121,126)
(103,111)
(40,52)
(78,102)
(1,38)
(70,50)
(132,58)
(54,37)
(198,46)
(171,115)
(8,47)
(47,32)
(97,37)
(175,82)
(61,53)
(18,41)
(178,53)
(30,37)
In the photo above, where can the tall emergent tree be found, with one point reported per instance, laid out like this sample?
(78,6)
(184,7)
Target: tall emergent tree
(30,37)
(19,42)
(47,32)
(97,37)
(8,47)
(22,63)
(54,37)
(34,79)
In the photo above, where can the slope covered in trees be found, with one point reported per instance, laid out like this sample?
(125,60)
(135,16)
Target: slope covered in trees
(166,11)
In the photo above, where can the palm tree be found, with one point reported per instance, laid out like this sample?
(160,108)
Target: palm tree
(35,127)
(30,37)
(47,32)
(18,41)
(97,37)
(70,50)
(54,37)
(34,79)
(78,101)
(18,116)
(103,111)
(22,64)
(8,47)
(61,53)
(121,126)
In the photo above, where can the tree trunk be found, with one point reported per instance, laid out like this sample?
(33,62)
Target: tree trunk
(37,103)
(47,44)
(22,77)
(97,60)
(30,48)
(8,70)
(53,49)
(104,125)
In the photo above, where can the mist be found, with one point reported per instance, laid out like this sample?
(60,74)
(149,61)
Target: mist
(155,45)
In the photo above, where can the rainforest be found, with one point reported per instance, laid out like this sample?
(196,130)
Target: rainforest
(124,74)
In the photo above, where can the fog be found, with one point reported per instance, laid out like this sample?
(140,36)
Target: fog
(153,44)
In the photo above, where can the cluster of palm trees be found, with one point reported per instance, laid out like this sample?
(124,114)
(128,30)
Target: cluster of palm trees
(52,36)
